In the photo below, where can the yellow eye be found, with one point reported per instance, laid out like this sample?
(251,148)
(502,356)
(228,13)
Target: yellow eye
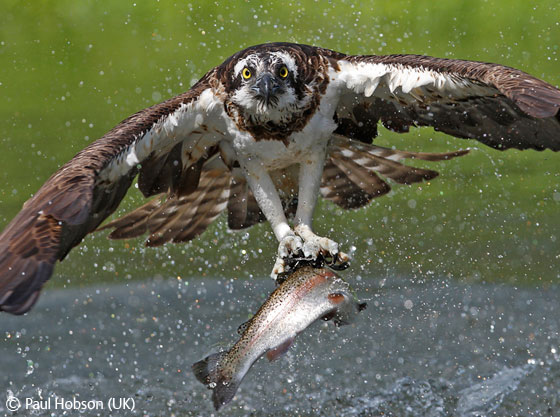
(283,72)
(246,73)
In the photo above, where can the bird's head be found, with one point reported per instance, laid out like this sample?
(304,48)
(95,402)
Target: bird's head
(266,84)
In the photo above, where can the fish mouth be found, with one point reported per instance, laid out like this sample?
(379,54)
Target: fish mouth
(345,307)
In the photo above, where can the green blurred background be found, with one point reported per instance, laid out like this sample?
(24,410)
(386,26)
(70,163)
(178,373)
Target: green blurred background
(71,69)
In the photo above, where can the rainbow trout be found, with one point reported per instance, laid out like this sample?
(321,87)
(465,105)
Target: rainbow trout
(307,295)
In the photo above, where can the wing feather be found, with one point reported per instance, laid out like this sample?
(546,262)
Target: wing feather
(176,217)
(243,210)
(500,106)
(182,219)
(87,189)
(337,187)
(351,177)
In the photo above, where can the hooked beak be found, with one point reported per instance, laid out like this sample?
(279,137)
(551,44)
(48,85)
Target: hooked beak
(266,87)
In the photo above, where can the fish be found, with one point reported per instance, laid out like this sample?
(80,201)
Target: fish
(305,296)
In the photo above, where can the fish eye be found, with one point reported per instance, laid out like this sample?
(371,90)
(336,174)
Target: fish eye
(246,73)
(283,72)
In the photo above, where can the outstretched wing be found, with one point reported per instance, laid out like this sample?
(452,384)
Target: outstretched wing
(500,106)
(166,144)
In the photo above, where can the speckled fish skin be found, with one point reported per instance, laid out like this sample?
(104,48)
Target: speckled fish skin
(305,296)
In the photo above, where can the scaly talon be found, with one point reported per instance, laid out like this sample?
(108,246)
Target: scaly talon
(306,248)
(290,246)
(314,245)
(279,268)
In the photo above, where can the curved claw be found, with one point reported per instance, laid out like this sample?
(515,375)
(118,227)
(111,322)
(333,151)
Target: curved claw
(296,261)
(306,249)
(281,277)
(339,261)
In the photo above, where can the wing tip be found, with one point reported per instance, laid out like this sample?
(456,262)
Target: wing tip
(19,309)
(22,298)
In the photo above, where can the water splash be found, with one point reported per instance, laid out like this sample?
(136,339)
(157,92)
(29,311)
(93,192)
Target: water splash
(485,397)
(408,397)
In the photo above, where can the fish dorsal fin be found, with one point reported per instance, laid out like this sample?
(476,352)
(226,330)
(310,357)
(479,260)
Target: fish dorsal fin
(243,326)
(279,350)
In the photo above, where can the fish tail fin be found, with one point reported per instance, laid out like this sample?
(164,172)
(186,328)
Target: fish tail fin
(223,392)
(208,372)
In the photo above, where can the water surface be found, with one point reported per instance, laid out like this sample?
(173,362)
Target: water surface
(433,348)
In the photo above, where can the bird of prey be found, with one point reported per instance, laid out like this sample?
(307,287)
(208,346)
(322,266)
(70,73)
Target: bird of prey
(260,137)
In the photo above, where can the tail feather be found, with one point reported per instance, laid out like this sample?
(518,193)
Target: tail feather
(207,371)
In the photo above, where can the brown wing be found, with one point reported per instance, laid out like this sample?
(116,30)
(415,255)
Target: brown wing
(243,210)
(163,143)
(355,172)
(178,218)
(500,106)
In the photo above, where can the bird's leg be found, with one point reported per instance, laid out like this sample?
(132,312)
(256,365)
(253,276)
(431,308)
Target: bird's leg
(269,202)
(310,174)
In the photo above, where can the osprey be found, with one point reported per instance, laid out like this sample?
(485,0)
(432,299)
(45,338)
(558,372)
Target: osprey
(260,137)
